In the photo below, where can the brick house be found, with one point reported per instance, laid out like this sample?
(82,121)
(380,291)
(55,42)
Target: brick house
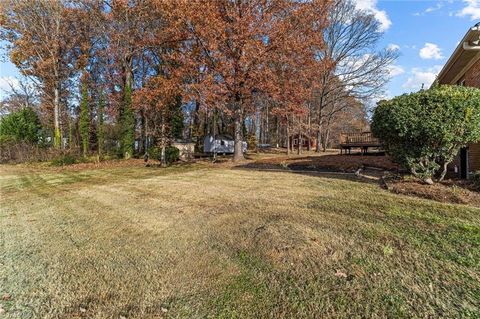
(463,68)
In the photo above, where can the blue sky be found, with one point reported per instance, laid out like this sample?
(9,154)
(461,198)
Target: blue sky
(424,31)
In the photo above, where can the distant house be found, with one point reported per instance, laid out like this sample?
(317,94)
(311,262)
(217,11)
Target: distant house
(302,139)
(220,143)
(463,68)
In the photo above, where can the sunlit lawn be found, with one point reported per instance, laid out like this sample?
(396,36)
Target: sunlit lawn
(203,242)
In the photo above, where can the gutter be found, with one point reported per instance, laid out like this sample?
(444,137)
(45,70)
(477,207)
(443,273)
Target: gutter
(476,47)
(466,45)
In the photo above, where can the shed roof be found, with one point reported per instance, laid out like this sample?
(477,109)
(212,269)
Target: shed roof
(220,137)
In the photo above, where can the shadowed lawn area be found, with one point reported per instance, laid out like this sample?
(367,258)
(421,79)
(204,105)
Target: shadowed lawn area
(202,242)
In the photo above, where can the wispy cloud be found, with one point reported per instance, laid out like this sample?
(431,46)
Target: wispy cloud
(419,76)
(393,47)
(395,70)
(471,9)
(380,15)
(436,7)
(439,5)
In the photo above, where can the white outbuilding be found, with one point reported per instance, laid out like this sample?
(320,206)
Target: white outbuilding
(220,143)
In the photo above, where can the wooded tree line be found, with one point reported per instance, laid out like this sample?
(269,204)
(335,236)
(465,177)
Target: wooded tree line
(126,75)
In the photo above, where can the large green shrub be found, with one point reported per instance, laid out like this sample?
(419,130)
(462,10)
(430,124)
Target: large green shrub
(172,154)
(23,125)
(424,131)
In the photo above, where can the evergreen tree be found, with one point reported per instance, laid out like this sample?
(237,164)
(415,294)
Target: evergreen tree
(127,124)
(70,133)
(84,119)
(23,125)
(101,124)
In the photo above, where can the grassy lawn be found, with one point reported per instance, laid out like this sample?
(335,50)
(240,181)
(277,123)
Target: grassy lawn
(194,242)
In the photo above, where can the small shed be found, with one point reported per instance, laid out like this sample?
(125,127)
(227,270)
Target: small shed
(220,143)
(186,149)
(304,139)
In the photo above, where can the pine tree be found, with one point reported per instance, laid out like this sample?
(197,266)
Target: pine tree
(84,119)
(101,125)
(128,124)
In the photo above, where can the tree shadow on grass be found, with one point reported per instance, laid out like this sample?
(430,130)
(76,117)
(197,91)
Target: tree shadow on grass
(368,176)
(360,168)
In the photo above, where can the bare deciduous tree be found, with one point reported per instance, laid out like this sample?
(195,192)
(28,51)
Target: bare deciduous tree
(355,69)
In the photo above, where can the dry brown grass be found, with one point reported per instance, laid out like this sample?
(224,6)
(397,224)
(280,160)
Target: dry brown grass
(215,242)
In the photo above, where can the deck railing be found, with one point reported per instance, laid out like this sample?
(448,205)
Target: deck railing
(359,139)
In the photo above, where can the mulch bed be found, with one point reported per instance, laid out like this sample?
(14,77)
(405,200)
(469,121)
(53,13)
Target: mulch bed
(339,163)
(450,191)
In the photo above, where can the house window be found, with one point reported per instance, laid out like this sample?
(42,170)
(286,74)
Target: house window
(222,143)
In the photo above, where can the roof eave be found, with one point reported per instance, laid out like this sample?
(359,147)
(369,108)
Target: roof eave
(458,51)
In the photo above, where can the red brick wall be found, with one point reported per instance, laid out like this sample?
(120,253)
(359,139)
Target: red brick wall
(474,157)
(472,79)
(472,76)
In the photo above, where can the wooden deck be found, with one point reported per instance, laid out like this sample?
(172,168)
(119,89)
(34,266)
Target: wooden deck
(362,141)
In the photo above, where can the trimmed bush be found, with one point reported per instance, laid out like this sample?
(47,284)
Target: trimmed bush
(172,154)
(64,159)
(424,131)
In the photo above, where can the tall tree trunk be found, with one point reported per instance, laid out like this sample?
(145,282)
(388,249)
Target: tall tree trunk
(277,131)
(320,109)
(238,149)
(266,132)
(309,131)
(163,159)
(325,139)
(101,125)
(56,115)
(299,150)
(127,114)
(57,139)
(288,137)
(197,127)
(141,146)
(318,143)
(70,134)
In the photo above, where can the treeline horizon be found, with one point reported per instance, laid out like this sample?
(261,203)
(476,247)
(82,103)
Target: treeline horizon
(122,76)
